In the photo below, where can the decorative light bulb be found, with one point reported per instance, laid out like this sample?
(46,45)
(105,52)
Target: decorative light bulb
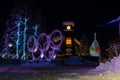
(10,45)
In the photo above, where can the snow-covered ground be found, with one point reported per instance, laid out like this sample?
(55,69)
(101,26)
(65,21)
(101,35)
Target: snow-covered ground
(105,71)
(58,75)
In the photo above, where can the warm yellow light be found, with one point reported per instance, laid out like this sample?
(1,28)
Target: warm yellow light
(68,27)
(68,41)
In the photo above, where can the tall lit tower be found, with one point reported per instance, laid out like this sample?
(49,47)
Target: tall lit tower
(69,38)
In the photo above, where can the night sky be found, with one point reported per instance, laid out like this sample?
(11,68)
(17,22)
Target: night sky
(86,14)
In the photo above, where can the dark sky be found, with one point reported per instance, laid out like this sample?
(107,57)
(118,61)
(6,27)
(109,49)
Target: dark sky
(85,13)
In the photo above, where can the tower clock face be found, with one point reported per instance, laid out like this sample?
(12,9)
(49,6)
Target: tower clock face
(68,27)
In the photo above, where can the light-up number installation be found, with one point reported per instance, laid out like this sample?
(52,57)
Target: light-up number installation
(47,45)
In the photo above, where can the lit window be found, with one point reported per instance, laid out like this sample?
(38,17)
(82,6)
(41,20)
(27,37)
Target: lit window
(68,41)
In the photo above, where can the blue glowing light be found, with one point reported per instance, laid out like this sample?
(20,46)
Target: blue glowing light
(35,28)
(24,38)
(17,41)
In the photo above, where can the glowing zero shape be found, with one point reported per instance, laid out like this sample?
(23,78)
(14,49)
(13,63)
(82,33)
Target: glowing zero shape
(34,46)
(60,43)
